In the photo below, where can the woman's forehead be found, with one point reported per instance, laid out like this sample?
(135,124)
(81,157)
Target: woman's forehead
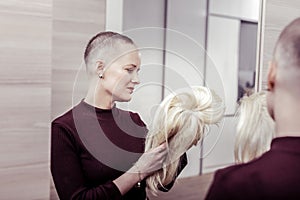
(129,58)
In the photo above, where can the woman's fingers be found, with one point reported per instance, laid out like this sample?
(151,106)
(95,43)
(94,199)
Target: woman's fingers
(160,148)
(153,160)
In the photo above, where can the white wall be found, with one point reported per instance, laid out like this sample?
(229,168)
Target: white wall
(184,59)
(241,9)
(146,29)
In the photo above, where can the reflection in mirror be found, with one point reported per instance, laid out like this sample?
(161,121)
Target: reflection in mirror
(247,58)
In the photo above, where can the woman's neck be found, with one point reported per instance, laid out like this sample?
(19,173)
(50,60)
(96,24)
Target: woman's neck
(99,100)
(287,118)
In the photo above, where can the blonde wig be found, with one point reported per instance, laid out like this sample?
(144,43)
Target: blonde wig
(181,121)
(255,128)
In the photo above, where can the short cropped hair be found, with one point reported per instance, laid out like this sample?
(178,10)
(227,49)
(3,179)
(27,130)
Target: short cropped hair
(103,46)
(287,50)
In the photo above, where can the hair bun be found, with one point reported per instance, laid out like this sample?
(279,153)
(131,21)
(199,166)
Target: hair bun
(180,121)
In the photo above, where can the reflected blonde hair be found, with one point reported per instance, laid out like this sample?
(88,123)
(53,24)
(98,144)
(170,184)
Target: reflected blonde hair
(255,128)
(180,121)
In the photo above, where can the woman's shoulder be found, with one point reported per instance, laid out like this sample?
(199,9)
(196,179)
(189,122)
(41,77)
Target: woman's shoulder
(64,118)
(133,116)
(67,117)
(137,119)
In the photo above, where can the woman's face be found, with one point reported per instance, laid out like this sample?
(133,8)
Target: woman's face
(121,76)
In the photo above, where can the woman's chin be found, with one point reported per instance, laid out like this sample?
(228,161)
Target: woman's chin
(124,99)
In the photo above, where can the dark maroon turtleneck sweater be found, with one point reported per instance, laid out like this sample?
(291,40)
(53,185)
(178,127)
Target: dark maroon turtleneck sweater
(90,147)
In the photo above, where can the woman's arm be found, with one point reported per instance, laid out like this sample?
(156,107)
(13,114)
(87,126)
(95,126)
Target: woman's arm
(67,172)
(69,179)
(148,163)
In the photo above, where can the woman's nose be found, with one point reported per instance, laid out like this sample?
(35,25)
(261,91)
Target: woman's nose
(135,79)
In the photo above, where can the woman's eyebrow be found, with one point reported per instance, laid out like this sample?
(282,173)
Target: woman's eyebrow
(129,65)
(132,65)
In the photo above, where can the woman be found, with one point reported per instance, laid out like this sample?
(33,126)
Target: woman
(96,148)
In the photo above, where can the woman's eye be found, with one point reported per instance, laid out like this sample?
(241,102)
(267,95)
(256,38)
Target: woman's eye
(129,70)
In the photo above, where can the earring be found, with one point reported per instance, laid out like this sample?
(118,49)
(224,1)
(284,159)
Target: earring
(101,76)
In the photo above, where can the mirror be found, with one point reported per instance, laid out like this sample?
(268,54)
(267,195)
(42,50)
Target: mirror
(232,43)
(195,42)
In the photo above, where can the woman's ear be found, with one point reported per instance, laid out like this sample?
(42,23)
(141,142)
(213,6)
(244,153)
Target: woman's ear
(99,67)
(272,75)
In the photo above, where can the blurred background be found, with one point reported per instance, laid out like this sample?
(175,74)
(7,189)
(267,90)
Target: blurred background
(225,45)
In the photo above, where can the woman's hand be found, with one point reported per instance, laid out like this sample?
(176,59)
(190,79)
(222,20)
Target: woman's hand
(151,161)
(148,163)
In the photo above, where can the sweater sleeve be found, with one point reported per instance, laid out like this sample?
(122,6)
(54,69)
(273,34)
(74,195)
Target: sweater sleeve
(67,173)
(182,163)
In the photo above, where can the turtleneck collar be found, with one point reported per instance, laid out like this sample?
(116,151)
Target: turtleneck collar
(96,109)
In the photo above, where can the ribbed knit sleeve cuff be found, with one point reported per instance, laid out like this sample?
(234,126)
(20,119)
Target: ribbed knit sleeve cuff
(115,192)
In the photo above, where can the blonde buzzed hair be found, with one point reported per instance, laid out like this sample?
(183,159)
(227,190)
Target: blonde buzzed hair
(287,59)
(103,46)
(255,128)
(181,121)
(287,50)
